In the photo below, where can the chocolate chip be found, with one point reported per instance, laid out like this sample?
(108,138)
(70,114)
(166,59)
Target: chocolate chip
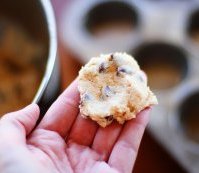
(121,70)
(111,57)
(109,118)
(86,97)
(107,91)
(126,70)
(102,68)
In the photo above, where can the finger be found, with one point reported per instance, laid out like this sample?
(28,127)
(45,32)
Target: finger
(83,131)
(63,112)
(17,125)
(125,150)
(105,139)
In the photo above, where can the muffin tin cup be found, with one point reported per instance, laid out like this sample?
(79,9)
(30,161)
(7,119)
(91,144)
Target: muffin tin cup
(161,61)
(184,147)
(191,25)
(178,118)
(77,26)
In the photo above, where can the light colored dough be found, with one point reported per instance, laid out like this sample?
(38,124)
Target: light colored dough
(112,87)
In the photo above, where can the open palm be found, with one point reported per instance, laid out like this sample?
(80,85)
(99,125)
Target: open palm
(64,142)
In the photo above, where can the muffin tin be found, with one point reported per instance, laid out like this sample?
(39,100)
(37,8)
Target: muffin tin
(164,38)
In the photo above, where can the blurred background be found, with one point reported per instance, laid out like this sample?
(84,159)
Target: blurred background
(163,36)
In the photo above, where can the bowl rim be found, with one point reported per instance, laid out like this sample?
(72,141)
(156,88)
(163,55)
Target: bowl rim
(52,52)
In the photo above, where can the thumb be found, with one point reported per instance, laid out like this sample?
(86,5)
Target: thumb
(15,126)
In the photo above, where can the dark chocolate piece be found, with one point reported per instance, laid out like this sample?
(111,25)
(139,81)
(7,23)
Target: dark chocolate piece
(111,57)
(102,68)
(109,118)
(124,70)
(107,91)
(86,97)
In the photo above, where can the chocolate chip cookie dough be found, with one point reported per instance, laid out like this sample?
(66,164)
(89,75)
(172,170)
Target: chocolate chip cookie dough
(22,65)
(112,87)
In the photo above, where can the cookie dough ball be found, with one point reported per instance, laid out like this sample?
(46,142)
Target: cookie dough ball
(112,87)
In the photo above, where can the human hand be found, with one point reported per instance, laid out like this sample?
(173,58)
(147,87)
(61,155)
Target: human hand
(64,142)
